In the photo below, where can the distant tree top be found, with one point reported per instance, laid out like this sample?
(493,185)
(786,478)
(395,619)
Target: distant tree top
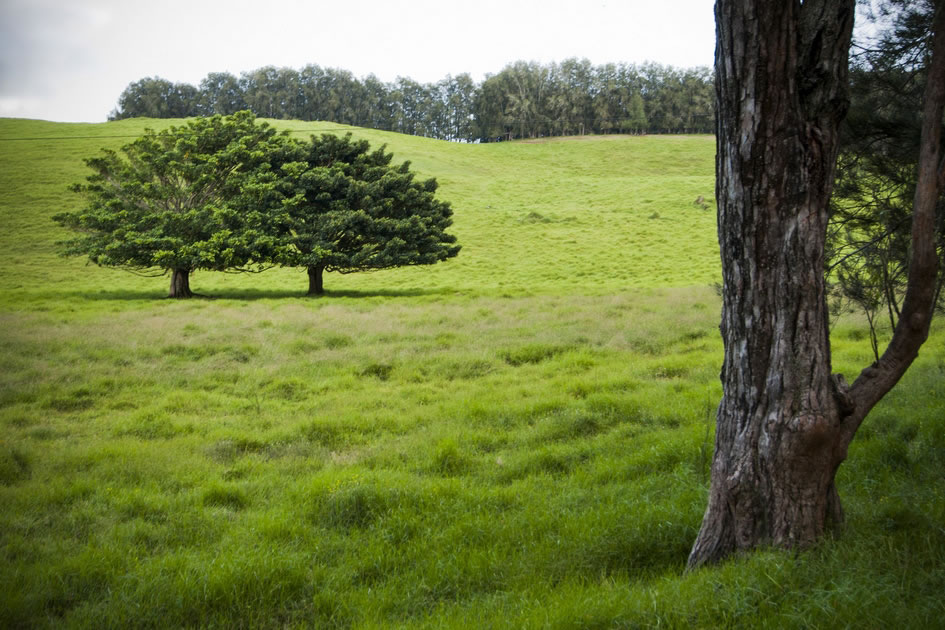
(524,100)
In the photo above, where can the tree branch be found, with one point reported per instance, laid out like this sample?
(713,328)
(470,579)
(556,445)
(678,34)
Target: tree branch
(864,247)
(918,306)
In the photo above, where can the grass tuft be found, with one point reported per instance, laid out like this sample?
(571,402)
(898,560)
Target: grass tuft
(14,466)
(531,354)
(380,371)
(225,496)
(449,460)
(351,505)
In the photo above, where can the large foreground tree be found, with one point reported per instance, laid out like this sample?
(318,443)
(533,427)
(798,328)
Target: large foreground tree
(785,420)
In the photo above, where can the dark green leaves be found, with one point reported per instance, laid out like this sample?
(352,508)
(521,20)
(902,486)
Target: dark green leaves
(169,200)
(226,193)
(346,209)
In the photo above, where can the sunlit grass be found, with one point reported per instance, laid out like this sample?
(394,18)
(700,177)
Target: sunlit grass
(519,437)
(592,216)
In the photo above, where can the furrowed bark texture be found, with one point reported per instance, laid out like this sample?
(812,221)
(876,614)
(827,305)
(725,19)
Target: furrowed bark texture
(781,89)
(180,284)
(785,422)
(316,284)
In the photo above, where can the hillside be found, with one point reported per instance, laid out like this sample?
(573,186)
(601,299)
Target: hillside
(518,437)
(593,214)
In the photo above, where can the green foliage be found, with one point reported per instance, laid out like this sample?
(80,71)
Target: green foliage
(532,100)
(226,193)
(159,98)
(166,200)
(523,100)
(343,208)
(870,233)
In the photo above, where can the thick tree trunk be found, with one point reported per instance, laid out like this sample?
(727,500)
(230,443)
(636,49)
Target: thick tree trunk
(785,422)
(776,448)
(315,281)
(180,284)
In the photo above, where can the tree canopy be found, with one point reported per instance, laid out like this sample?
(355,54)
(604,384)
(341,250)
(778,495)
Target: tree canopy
(335,205)
(166,201)
(229,193)
(871,211)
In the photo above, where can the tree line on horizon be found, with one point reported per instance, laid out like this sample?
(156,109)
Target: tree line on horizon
(524,100)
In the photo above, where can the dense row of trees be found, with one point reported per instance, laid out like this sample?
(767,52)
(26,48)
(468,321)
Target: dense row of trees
(523,100)
(230,194)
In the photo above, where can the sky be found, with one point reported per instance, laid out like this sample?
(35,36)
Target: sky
(69,60)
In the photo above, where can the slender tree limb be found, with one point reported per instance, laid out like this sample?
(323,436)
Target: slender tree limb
(913,327)
(869,244)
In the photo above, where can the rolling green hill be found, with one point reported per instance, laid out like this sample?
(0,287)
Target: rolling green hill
(585,214)
(518,437)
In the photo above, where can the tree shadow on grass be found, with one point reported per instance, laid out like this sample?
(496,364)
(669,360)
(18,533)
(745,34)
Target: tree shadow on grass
(369,293)
(250,295)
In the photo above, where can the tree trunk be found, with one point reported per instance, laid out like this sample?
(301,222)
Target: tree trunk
(180,284)
(776,447)
(784,422)
(315,283)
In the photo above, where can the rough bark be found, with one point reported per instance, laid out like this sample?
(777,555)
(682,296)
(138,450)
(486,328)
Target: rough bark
(180,284)
(316,284)
(784,422)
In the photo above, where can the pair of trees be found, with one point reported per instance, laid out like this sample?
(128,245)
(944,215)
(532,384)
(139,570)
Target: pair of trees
(232,194)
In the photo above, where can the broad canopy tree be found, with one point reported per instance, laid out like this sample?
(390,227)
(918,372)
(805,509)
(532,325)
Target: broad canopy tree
(345,208)
(785,420)
(166,201)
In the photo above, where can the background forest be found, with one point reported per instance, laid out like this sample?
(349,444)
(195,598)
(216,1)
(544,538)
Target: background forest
(524,100)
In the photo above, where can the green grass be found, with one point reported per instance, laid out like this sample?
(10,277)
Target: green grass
(519,437)
(552,217)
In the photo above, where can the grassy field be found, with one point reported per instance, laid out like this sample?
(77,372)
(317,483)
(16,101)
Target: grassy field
(518,437)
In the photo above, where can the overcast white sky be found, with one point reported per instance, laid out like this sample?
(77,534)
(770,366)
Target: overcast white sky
(69,60)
